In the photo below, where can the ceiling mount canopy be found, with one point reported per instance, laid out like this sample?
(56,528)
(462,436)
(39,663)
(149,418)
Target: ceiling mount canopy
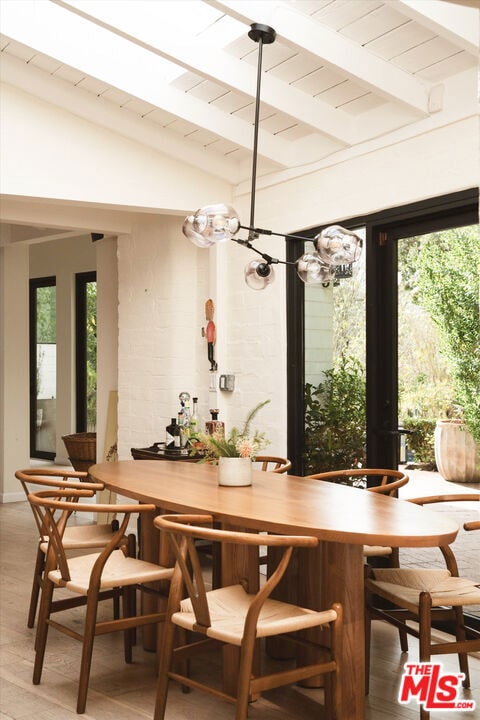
(220,222)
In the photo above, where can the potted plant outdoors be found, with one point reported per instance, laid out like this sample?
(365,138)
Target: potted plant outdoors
(449,286)
(235,452)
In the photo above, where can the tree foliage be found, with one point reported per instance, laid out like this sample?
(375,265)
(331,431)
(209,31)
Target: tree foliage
(449,289)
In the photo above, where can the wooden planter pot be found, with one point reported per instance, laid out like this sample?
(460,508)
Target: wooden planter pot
(456,454)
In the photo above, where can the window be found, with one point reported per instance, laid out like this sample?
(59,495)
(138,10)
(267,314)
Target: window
(86,351)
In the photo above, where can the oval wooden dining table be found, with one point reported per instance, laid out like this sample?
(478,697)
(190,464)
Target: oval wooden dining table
(343,518)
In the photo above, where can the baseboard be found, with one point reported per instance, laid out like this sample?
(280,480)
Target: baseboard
(12,497)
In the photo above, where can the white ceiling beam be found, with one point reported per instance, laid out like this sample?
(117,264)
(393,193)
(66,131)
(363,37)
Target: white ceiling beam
(36,82)
(451,21)
(338,51)
(217,65)
(38,28)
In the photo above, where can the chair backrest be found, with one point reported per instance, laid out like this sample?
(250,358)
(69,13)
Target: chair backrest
(52,509)
(183,530)
(389,480)
(446,550)
(270,463)
(55,478)
(32,479)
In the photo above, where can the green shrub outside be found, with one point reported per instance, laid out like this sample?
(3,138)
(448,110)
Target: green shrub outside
(421,440)
(335,419)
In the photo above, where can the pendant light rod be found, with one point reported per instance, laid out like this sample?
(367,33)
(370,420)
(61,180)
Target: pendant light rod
(262,231)
(261,34)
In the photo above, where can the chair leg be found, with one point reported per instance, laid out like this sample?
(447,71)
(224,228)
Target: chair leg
(403,637)
(244,675)
(129,604)
(132,552)
(425,638)
(461,635)
(87,650)
(42,629)
(36,585)
(368,639)
(166,655)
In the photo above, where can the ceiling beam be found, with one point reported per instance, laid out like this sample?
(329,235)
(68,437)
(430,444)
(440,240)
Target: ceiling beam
(334,49)
(34,26)
(36,82)
(215,64)
(450,21)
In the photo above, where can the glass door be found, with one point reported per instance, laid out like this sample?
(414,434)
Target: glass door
(346,337)
(43,367)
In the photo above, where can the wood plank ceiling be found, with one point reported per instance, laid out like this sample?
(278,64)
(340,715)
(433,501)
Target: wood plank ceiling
(180,75)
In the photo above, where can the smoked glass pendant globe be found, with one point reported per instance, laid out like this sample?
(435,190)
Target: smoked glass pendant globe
(215,223)
(313,271)
(258,275)
(193,236)
(338,246)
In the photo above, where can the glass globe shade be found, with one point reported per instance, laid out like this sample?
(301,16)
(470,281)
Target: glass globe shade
(216,223)
(193,236)
(313,271)
(258,275)
(338,246)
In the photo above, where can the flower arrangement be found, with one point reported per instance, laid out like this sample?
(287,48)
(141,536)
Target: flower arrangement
(238,443)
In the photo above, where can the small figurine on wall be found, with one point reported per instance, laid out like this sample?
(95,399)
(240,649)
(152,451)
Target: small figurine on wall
(211,334)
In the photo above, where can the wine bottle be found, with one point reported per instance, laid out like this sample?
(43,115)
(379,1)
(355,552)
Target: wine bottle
(171,433)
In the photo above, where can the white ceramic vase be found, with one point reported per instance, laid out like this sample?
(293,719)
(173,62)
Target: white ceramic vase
(234,472)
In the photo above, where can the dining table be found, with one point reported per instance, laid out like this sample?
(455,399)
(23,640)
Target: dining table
(343,518)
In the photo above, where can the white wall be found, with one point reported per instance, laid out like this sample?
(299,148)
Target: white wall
(163,285)
(14,369)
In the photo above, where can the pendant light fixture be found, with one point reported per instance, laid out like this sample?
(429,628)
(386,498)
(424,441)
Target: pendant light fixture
(219,222)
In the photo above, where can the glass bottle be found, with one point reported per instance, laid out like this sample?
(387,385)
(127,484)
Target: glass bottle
(171,432)
(194,424)
(214,425)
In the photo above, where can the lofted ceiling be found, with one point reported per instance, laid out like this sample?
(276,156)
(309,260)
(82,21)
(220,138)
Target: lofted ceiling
(180,75)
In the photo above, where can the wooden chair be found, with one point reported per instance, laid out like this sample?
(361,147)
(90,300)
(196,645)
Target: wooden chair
(426,595)
(389,483)
(89,576)
(236,616)
(270,463)
(78,537)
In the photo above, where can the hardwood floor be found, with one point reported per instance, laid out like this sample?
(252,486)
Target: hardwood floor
(126,692)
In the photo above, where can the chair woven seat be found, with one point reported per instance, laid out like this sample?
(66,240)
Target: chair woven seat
(119,570)
(404,586)
(228,609)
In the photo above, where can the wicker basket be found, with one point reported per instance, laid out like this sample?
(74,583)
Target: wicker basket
(82,450)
